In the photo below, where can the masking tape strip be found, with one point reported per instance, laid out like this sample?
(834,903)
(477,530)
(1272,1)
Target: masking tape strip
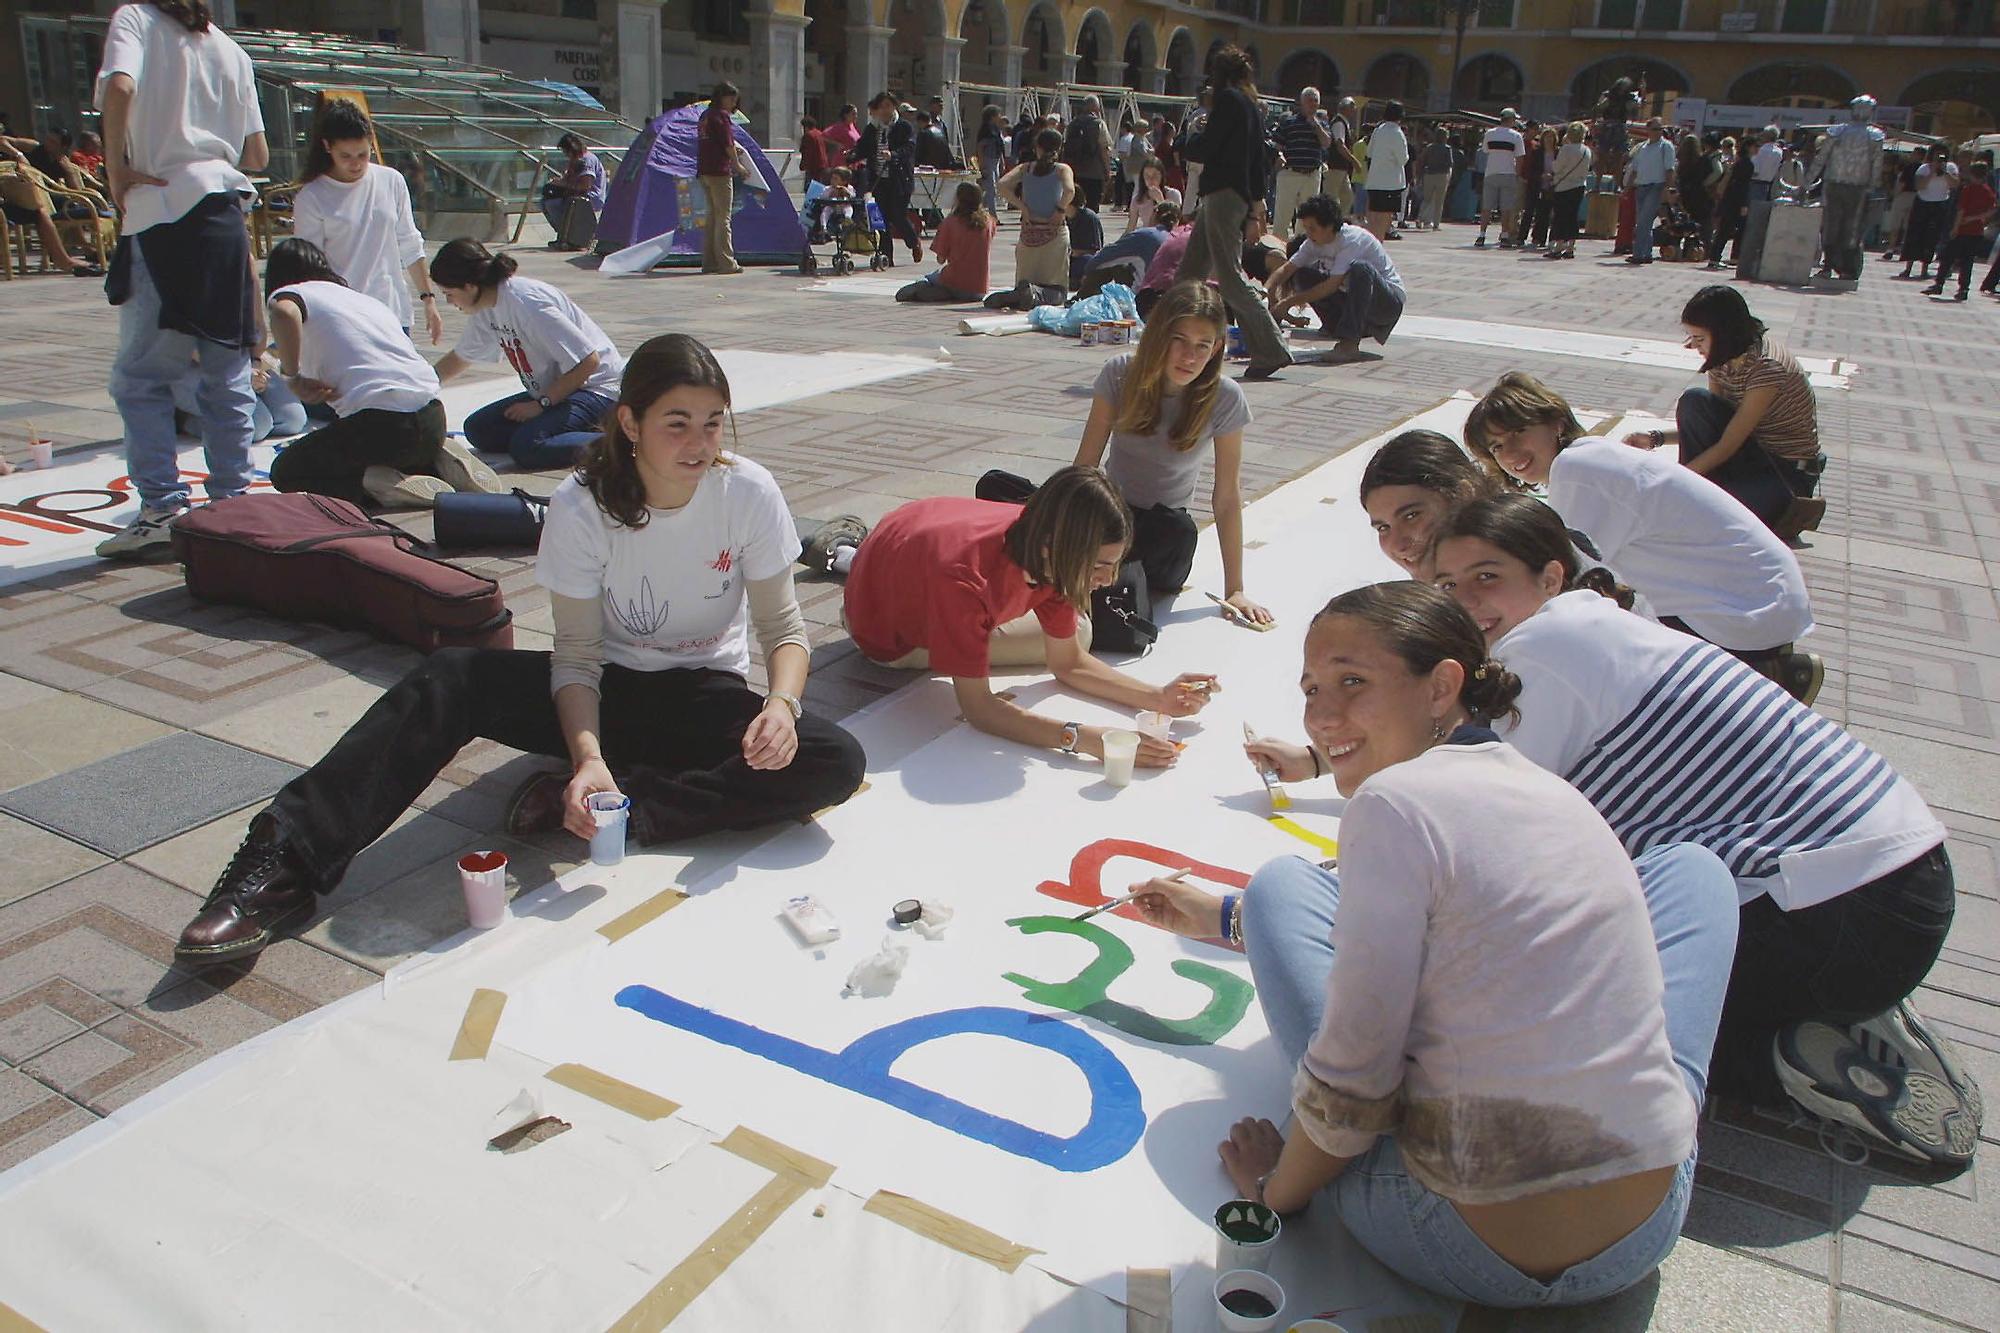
(1149,1300)
(615,1093)
(482,1017)
(954,1233)
(13,1321)
(807,819)
(793,1174)
(649,911)
(1306,835)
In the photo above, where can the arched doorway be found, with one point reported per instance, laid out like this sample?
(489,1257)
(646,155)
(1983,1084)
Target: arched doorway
(826,43)
(1141,55)
(1095,50)
(1182,71)
(1308,68)
(1954,103)
(1792,83)
(1402,77)
(1660,79)
(1042,43)
(1488,82)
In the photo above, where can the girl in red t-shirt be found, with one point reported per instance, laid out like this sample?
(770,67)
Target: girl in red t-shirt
(959,586)
(963,242)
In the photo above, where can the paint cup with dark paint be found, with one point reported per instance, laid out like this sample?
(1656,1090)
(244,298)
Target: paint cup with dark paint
(609,811)
(1248,1302)
(1246,1236)
(482,876)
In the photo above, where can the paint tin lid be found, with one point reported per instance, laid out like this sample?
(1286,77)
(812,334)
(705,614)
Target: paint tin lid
(907,911)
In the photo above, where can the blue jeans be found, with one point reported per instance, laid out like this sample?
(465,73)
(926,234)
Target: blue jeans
(278,410)
(1288,913)
(1645,214)
(555,438)
(150,361)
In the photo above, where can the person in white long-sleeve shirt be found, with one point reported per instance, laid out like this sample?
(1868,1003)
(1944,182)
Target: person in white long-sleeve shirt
(1388,171)
(358,213)
(1846,892)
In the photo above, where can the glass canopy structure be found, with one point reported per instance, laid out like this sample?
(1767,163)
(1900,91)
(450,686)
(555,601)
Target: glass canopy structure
(469,139)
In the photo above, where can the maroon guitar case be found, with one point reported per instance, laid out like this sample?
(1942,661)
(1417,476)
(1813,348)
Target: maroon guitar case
(311,557)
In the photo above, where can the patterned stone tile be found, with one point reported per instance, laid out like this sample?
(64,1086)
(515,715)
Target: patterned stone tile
(66,731)
(36,858)
(33,1116)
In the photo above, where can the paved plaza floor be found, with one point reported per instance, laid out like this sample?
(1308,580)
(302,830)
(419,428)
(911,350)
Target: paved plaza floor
(139,729)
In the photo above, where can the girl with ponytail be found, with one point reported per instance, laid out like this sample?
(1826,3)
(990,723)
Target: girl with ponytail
(358,211)
(1840,867)
(568,367)
(1501,1023)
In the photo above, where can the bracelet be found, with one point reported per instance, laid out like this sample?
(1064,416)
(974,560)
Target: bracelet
(1313,750)
(1228,911)
(427,296)
(1659,437)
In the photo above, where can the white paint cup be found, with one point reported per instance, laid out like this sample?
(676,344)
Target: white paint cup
(1245,1280)
(1159,726)
(1245,1218)
(482,876)
(610,811)
(1121,749)
(42,453)
(1315,1326)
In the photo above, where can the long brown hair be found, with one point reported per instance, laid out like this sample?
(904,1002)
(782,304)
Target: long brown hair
(610,463)
(1145,390)
(1423,626)
(969,206)
(339,120)
(1057,536)
(1516,400)
(1429,460)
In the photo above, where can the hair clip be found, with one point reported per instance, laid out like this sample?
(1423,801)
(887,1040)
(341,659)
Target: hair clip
(1480,672)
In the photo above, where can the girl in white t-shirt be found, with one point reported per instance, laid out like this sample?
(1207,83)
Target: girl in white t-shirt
(568,366)
(1152,412)
(661,555)
(1151,191)
(1704,562)
(344,348)
(1501,1026)
(358,212)
(1840,868)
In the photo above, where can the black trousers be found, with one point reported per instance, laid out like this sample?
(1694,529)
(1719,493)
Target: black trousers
(1092,190)
(673,739)
(1566,215)
(1840,961)
(893,198)
(1366,306)
(1728,227)
(1960,253)
(1765,483)
(1925,231)
(330,460)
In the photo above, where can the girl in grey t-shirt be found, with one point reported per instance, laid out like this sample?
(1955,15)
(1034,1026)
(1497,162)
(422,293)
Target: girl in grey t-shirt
(1156,411)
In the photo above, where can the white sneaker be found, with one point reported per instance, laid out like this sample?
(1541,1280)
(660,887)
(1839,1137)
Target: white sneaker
(397,490)
(1889,1079)
(147,537)
(464,471)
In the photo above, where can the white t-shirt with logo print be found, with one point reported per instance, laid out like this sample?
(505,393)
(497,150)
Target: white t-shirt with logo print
(673,589)
(540,332)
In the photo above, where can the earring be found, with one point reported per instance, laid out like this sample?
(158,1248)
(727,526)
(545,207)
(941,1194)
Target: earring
(1437,730)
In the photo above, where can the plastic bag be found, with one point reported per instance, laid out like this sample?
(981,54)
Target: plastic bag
(1115,301)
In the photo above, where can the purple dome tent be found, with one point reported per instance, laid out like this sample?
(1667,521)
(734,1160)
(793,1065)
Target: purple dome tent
(655,192)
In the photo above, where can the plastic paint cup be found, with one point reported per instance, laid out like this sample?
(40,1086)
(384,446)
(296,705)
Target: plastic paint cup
(1246,1287)
(482,876)
(42,453)
(1157,725)
(1246,1236)
(1121,749)
(610,811)
(1315,1326)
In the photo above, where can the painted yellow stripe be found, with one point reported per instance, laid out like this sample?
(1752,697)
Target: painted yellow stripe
(1306,835)
(953,1233)
(1149,1300)
(651,910)
(482,1018)
(793,1173)
(613,1092)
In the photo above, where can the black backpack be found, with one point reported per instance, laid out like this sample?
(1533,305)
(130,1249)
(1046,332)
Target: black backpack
(1080,143)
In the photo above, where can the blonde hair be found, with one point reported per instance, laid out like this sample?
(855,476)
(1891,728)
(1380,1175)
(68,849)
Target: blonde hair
(1145,389)
(1062,526)
(1516,400)
(1577,129)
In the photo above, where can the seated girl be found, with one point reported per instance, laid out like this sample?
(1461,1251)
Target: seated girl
(645,692)
(964,241)
(1754,431)
(568,366)
(339,347)
(1410,484)
(1704,562)
(1840,868)
(1501,1026)
(837,204)
(959,587)
(1154,415)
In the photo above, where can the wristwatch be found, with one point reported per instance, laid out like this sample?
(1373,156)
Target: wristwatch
(546,402)
(790,701)
(427,296)
(1071,734)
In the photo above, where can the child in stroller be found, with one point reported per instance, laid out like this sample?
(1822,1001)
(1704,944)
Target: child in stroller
(830,216)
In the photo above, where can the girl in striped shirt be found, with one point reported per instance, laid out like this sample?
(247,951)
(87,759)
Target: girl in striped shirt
(1846,892)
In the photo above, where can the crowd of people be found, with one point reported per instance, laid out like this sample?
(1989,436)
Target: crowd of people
(1599,857)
